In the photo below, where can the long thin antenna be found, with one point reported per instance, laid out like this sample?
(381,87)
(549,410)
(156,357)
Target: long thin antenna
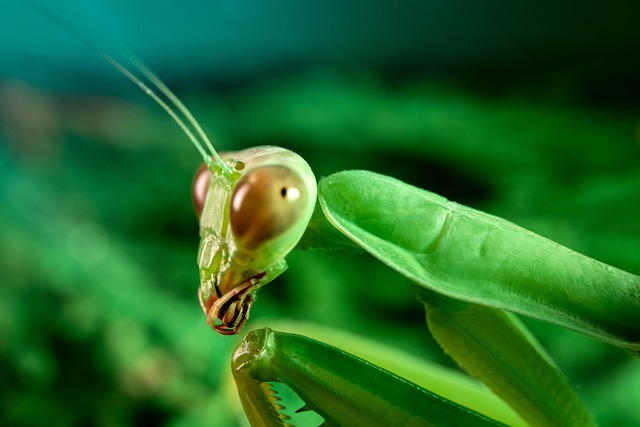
(176,101)
(209,159)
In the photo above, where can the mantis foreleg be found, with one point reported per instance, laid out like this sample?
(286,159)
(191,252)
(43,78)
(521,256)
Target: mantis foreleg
(495,347)
(343,389)
(470,255)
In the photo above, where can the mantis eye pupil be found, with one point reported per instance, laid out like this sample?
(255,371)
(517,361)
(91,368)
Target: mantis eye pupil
(266,202)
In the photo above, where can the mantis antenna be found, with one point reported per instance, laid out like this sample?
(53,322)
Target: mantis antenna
(212,158)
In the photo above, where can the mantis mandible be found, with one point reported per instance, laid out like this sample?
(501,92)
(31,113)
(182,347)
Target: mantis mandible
(255,206)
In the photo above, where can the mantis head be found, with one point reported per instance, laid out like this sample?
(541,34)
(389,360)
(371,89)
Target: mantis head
(251,216)
(254,205)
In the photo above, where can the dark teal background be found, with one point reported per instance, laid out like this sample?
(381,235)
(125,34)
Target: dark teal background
(529,111)
(214,40)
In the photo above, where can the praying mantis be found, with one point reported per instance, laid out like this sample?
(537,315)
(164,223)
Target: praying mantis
(256,205)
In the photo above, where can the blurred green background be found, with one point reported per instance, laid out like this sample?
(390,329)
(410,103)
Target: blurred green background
(526,110)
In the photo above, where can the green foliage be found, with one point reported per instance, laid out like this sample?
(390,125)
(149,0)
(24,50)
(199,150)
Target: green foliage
(99,317)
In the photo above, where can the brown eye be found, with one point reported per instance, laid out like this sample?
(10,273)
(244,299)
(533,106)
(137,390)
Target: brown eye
(266,202)
(199,188)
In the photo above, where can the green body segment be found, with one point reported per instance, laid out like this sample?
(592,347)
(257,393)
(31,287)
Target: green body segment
(343,389)
(443,381)
(476,257)
(497,348)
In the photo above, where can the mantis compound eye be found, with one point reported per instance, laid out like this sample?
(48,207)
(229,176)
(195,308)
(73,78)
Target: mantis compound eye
(266,203)
(200,187)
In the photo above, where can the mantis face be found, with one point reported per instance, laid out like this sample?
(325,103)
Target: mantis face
(254,205)
(249,221)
